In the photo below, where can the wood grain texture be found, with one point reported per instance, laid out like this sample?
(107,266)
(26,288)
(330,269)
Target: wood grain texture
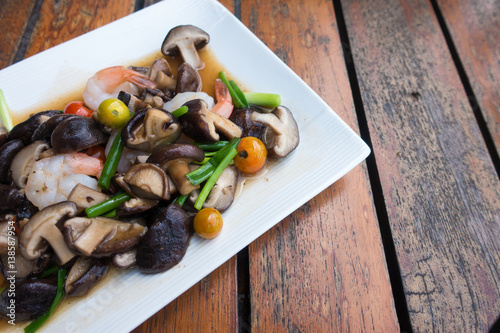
(323,268)
(441,190)
(60,21)
(14,17)
(209,306)
(475,29)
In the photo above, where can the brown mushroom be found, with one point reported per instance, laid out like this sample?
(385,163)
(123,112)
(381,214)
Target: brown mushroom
(24,131)
(161,73)
(85,197)
(32,298)
(101,236)
(186,40)
(135,206)
(201,124)
(150,128)
(84,275)
(188,79)
(42,231)
(75,134)
(133,103)
(7,153)
(281,135)
(175,159)
(23,162)
(222,194)
(166,242)
(146,181)
(125,260)
(242,118)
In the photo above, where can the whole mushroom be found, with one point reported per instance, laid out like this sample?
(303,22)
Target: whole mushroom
(186,40)
(201,124)
(175,159)
(150,128)
(281,135)
(42,230)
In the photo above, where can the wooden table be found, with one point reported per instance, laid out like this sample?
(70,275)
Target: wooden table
(408,240)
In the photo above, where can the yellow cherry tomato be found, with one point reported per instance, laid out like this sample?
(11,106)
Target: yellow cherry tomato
(252,155)
(113,113)
(208,223)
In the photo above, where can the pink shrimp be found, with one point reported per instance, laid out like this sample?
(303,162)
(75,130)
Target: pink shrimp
(108,82)
(224,106)
(52,179)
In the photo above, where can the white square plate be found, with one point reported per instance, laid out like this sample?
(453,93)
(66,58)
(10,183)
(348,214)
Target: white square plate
(328,148)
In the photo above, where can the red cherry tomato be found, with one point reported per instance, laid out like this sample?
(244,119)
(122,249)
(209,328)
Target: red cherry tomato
(252,155)
(77,108)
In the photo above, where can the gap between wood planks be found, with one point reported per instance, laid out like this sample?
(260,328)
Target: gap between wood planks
(471,96)
(28,31)
(377,192)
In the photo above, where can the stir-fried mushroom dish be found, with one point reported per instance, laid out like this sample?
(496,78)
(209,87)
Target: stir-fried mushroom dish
(129,174)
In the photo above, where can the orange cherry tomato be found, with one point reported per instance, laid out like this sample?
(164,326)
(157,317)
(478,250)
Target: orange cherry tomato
(97,152)
(252,155)
(77,108)
(208,223)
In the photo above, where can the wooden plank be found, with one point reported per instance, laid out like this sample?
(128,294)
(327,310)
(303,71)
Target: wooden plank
(474,27)
(60,21)
(14,17)
(213,301)
(323,268)
(440,188)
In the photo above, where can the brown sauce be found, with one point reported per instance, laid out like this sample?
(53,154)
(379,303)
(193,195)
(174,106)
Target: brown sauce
(208,75)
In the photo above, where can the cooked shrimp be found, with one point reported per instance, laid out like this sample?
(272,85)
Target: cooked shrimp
(224,106)
(184,97)
(108,82)
(52,179)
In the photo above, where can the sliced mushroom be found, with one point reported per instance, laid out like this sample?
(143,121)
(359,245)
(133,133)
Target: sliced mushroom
(242,118)
(133,103)
(201,124)
(150,128)
(175,159)
(282,134)
(188,79)
(11,260)
(75,134)
(125,260)
(84,275)
(166,241)
(135,206)
(42,231)
(161,73)
(7,153)
(146,181)
(44,131)
(23,162)
(32,298)
(222,194)
(186,40)
(101,236)
(24,131)
(11,201)
(85,197)
(14,202)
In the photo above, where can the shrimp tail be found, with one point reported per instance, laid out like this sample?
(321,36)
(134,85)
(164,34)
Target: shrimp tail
(140,80)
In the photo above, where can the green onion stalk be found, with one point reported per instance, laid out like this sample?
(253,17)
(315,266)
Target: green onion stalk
(38,322)
(5,116)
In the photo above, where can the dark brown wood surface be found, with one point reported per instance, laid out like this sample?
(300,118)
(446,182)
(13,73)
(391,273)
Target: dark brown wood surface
(440,188)
(424,209)
(475,29)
